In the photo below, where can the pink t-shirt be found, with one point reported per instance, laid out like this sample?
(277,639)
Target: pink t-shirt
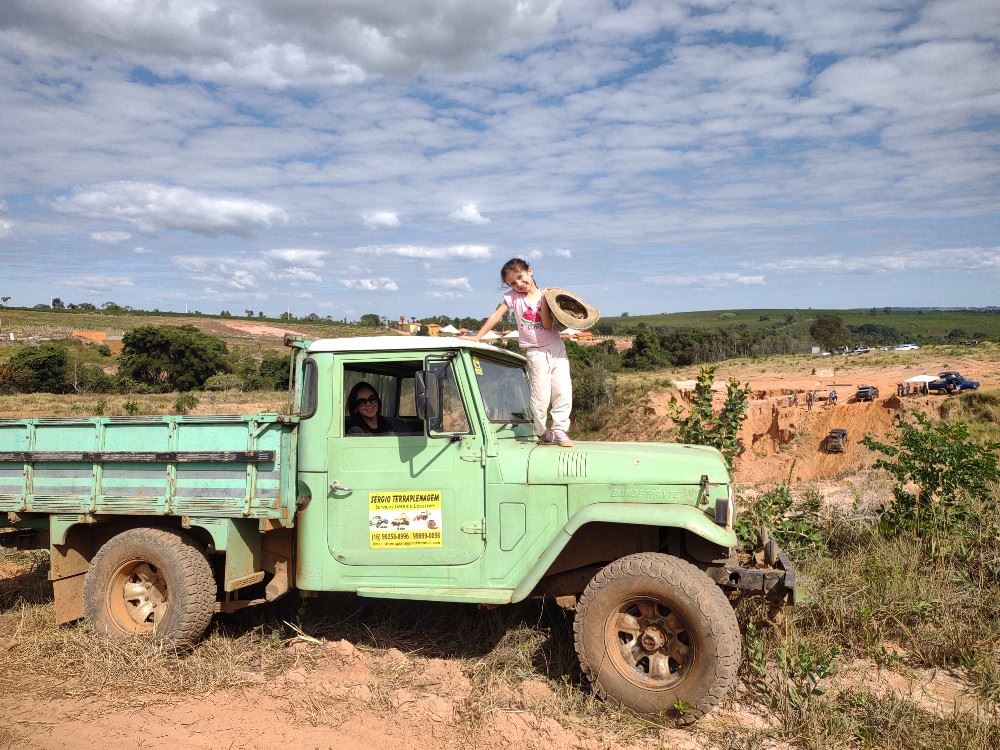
(529,321)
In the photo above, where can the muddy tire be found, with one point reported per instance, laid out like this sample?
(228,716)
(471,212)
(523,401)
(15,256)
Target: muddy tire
(655,634)
(150,581)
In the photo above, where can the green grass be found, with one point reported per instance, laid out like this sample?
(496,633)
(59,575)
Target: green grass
(929,324)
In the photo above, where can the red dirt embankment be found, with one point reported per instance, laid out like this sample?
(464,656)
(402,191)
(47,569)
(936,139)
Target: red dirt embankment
(781,440)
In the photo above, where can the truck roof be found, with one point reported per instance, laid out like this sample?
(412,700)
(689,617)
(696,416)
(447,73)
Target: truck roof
(407,343)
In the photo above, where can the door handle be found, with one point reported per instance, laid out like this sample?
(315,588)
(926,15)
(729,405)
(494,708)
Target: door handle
(336,487)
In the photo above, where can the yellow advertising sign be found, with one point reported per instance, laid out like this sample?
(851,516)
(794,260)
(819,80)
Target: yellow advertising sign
(401,520)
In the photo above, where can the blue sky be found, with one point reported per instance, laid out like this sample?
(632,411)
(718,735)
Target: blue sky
(368,156)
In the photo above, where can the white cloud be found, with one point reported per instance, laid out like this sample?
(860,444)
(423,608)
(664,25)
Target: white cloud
(380,219)
(445,295)
(238,273)
(240,279)
(564,253)
(6,228)
(459,283)
(945,259)
(110,238)
(294,273)
(281,43)
(449,252)
(298,257)
(151,207)
(382,284)
(96,284)
(139,250)
(708,280)
(469,214)
(192,262)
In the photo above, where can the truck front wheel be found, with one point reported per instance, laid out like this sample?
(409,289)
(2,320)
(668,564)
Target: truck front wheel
(150,581)
(655,634)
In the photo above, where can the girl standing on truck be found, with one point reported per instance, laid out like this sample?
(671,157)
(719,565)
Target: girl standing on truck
(548,365)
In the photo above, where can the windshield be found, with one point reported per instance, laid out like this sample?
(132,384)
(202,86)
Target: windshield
(504,389)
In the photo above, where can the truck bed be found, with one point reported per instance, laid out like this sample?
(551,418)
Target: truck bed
(240,466)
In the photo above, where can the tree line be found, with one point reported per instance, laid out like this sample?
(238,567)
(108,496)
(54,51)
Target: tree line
(154,359)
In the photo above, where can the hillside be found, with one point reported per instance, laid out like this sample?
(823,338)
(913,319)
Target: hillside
(912,325)
(783,441)
(262,334)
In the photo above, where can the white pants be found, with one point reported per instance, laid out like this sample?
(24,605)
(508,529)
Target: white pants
(548,374)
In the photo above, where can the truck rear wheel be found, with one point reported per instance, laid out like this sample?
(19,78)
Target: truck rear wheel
(146,581)
(655,634)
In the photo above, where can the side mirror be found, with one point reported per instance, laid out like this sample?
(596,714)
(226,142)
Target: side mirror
(428,395)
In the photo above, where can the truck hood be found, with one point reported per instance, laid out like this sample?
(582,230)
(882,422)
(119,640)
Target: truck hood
(626,463)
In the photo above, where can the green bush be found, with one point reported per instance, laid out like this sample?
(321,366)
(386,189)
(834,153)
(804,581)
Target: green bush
(796,527)
(274,372)
(91,379)
(38,369)
(185,403)
(166,358)
(224,382)
(702,426)
(936,469)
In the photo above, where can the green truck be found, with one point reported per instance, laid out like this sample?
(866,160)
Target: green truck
(156,523)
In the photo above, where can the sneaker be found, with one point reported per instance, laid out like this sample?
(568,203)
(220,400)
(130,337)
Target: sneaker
(561,438)
(547,438)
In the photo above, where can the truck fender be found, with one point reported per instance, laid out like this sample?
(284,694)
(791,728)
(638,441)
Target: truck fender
(684,517)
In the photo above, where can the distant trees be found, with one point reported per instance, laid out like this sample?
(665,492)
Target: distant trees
(370,320)
(830,332)
(167,358)
(873,333)
(645,352)
(274,372)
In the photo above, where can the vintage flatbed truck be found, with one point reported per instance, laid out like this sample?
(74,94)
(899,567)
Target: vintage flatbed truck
(156,523)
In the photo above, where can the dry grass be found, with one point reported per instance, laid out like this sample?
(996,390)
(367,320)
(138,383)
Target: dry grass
(21,406)
(56,661)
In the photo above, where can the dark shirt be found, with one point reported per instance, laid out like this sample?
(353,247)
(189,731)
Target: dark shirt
(357,426)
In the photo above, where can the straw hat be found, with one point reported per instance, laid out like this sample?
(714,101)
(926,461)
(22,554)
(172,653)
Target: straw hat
(569,310)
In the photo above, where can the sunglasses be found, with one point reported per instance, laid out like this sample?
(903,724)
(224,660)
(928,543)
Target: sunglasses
(362,401)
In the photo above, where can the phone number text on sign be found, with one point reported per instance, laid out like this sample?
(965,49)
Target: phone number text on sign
(398,520)
(401,539)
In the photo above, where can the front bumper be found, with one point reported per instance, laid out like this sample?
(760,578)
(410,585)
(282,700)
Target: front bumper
(766,572)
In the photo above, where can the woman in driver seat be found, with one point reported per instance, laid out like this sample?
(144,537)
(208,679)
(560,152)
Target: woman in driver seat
(363,408)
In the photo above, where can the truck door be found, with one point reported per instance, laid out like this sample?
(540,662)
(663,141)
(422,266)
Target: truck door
(416,496)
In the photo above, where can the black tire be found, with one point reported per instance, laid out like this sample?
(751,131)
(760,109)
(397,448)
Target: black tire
(655,634)
(150,581)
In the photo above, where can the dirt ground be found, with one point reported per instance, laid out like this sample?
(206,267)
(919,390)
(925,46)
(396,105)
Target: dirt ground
(782,440)
(341,695)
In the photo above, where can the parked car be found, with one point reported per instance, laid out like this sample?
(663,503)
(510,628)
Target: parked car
(866,393)
(906,347)
(836,441)
(952,383)
(861,349)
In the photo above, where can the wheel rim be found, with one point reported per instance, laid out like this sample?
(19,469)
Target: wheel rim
(137,598)
(648,643)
